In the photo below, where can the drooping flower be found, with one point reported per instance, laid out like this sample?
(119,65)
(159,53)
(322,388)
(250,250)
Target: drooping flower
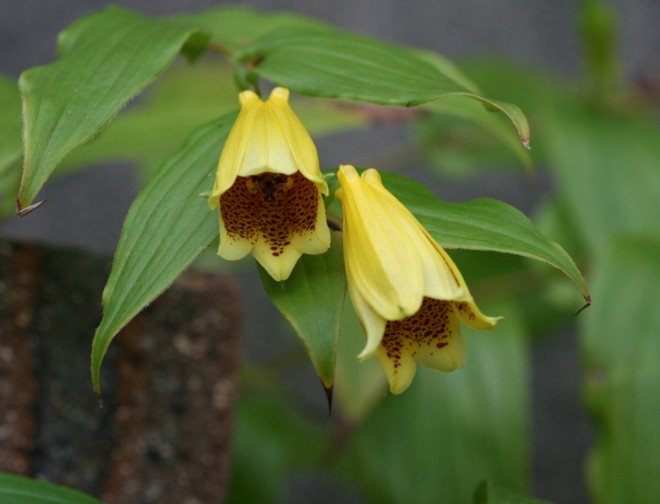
(269,187)
(407,292)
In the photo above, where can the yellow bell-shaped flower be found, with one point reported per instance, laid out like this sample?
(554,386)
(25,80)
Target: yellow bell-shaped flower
(268,187)
(406,290)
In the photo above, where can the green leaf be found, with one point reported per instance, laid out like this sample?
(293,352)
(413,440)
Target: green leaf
(463,107)
(166,228)
(447,432)
(449,69)
(535,91)
(234,26)
(312,300)
(481,224)
(20,490)
(599,33)
(621,344)
(342,65)
(104,60)
(10,124)
(182,99)
(336,64)
(490,493)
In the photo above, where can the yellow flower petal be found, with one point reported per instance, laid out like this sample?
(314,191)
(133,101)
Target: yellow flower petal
(268,187)
(431,337)
(471,316)
(300,144)
(372,323)
(373,244)
(407,292)
(393,260)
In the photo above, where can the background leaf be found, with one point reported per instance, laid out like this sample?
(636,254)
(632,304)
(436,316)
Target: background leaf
(104,60)
(608,169)
(167,227)
(311,299)
(489,493)
(20,490)
(271,442)
(359,386)
(621,345)
(429,446)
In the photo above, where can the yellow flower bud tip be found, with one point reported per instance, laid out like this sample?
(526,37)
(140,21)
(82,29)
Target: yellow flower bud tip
(269,187)
(407,292)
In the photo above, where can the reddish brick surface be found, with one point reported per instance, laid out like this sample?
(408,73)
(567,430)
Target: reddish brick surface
(164,433)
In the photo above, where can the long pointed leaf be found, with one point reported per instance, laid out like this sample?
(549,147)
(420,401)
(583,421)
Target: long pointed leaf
(236,26)
(464,106)
(104,60)
(482,224)
(312,300)
(167,227)
(336,64)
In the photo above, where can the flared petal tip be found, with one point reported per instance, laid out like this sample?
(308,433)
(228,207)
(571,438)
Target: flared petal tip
(367,352)
(399,373)
(347,174)
(470,315)
(278,267)
(245,97)
(212,198)
(399,387)
(280,93)
(278,271)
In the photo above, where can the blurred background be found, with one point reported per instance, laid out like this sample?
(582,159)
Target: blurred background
(532,44)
